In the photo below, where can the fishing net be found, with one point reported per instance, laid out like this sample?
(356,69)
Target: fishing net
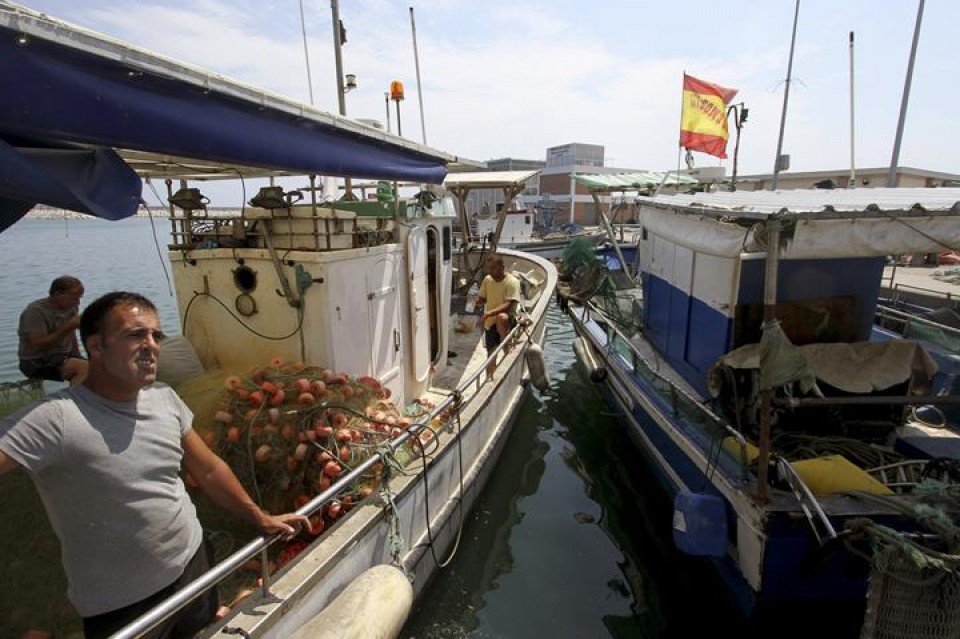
(15,395)
(914,585)
(289,431)
(907,600)
(585,277)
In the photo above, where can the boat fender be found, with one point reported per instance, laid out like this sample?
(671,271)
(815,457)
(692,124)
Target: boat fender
(563,303)
(585,354)
(375,604)
(537,367)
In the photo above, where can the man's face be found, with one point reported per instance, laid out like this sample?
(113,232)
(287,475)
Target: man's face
(128,346)
(496,269)
(65,300)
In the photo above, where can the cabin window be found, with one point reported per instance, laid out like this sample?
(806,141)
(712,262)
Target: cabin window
(447,243)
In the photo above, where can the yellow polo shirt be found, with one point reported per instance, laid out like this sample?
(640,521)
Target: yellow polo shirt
(495,293)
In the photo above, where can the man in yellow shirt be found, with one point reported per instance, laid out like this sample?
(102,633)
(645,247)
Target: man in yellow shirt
(500,296)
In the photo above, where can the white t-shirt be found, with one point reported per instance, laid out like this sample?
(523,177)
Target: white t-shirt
(109,477)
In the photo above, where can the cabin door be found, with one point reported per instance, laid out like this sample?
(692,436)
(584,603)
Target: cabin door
(384,314)
(419,303)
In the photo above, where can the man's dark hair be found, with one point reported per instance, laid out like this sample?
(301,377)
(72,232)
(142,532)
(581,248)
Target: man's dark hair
(91,320)
(64,284)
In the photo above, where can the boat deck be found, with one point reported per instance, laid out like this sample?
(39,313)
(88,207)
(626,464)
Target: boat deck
(465,354)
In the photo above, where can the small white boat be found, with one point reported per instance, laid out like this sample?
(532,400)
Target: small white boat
(365,291)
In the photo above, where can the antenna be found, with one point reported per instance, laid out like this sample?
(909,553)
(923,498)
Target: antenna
(786,97)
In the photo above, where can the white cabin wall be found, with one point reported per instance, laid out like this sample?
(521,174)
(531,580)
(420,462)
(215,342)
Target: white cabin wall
(352,311)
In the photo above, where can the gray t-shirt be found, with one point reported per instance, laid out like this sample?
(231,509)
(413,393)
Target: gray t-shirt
(108,475)
(43,317)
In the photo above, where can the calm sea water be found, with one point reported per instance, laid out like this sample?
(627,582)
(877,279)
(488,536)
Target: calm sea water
(571,538)
(106,256)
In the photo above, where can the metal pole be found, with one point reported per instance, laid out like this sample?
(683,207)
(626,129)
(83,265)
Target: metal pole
(892,175)
(786,97)
(769,315)
(852,183)
(416,59)
(386,104)
(306,53)
(341,92)
(399,130)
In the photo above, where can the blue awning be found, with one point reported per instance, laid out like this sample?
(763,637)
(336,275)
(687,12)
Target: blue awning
(94,181)
(66,87)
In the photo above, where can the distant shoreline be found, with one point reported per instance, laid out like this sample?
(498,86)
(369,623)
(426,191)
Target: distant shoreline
(47,213)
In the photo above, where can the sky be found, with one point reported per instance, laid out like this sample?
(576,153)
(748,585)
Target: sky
(510,78)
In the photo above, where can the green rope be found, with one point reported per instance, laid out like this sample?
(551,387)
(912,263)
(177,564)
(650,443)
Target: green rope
(394,536)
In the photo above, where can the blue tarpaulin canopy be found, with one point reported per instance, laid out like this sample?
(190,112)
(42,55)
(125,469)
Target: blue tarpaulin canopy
(76,104)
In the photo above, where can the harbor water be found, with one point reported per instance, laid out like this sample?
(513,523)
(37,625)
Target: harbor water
(571,537)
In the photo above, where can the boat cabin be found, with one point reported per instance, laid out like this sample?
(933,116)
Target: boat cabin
(707,270)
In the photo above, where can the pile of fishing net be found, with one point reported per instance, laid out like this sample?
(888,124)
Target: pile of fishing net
(290,430)
(915,580)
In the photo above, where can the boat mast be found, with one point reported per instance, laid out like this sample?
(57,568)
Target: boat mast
(852,182)
(416,60)
(892,174)
(786,97)
(306,52)
(341,91)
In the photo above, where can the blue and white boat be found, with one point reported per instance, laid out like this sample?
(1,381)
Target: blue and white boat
(772,408)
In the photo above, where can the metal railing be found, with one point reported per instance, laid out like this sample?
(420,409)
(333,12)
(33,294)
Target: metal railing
(640,365)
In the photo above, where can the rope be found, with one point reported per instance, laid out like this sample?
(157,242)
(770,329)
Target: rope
(197,294)
(394,536)
(459,499)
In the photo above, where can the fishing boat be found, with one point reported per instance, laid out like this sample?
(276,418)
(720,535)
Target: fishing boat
(514,227)
(788,426)
(288,291)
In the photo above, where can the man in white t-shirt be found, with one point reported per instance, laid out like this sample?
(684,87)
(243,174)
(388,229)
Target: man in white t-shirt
(500,297)
(106,457)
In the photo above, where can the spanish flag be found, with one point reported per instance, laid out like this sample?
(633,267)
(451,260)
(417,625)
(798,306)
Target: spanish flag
(703,118)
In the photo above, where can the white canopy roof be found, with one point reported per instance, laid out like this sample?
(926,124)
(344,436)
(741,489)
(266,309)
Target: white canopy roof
(487,179)
(822,223)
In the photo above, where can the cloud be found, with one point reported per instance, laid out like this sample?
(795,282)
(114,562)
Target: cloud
(501,78)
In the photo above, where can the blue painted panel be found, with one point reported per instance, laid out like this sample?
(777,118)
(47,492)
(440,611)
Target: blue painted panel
(690,334)
(709,336)
(656,311)
(800,280)
(677,325)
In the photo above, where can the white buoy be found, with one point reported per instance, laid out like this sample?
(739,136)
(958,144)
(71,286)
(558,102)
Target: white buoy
(582,349)
(537,367)
(374,606)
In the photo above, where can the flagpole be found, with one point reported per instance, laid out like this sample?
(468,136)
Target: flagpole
(679,146)
(786,97)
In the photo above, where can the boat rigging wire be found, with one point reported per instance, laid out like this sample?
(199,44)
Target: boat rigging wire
(457,401)
(156,242)
(196,294)
(306,52)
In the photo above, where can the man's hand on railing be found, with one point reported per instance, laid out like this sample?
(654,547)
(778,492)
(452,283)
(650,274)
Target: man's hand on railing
(289,524)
